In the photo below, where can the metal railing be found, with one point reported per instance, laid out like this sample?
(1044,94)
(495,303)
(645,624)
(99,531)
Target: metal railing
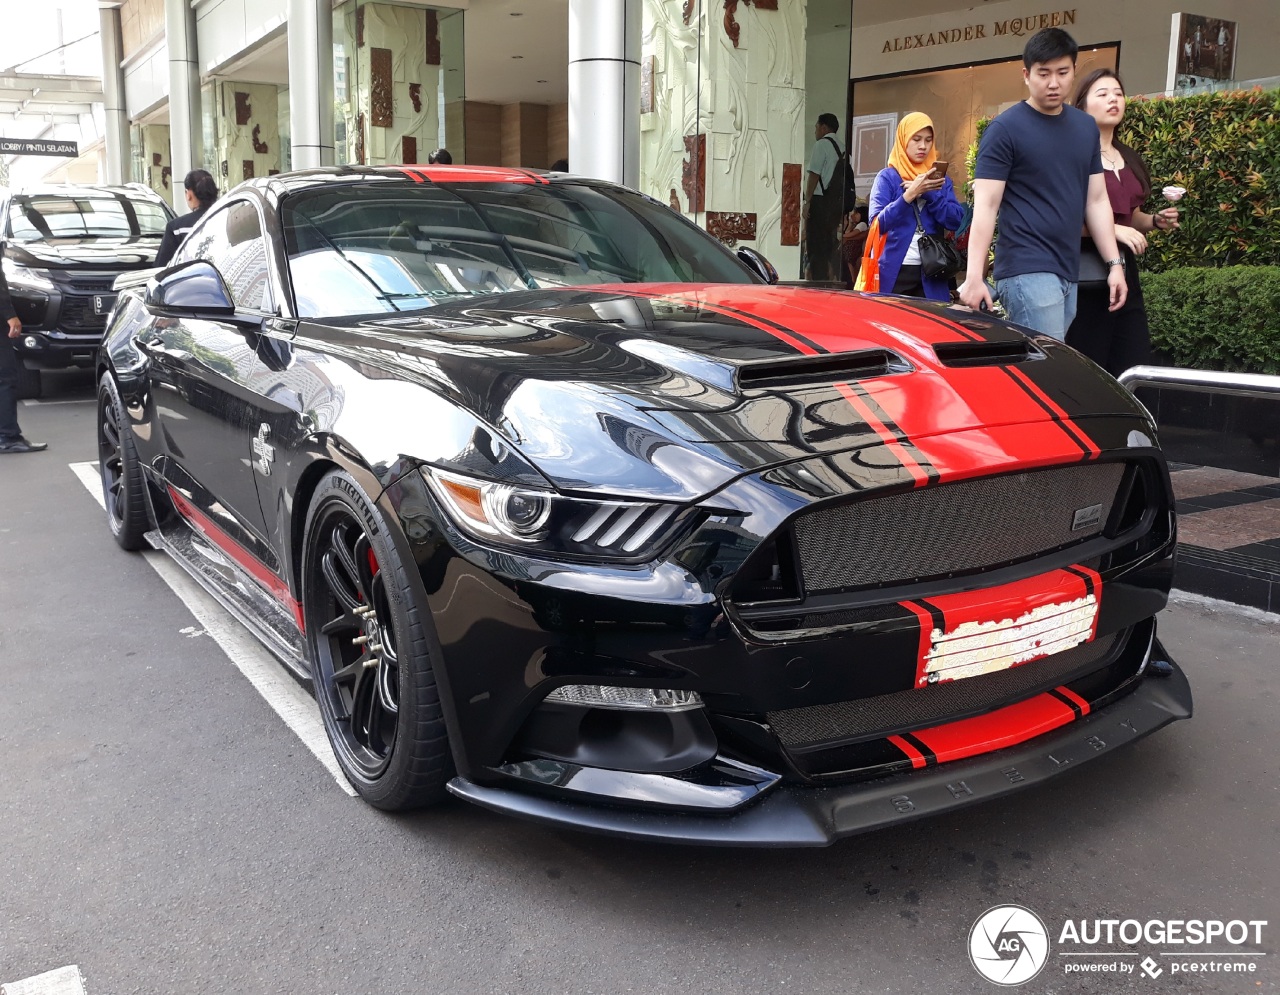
(1208,381)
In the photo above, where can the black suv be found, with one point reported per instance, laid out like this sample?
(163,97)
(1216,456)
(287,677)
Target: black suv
(65,246)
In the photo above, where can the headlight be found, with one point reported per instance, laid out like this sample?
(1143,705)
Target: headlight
(19,277)
(546,522)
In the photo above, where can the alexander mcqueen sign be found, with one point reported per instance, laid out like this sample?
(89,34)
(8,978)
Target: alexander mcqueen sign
(25,146)
(1017,26)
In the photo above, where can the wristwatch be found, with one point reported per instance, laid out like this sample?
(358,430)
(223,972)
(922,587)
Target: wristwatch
(1118,261)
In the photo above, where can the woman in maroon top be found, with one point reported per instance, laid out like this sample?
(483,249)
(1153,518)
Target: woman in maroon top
(1117,340)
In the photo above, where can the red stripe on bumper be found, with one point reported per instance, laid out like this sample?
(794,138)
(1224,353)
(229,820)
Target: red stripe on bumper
(1006,726)
(917,758)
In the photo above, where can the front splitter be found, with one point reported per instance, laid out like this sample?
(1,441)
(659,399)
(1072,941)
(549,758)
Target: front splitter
(797,815)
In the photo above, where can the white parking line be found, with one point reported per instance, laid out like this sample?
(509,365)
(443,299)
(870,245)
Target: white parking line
(63,981)
(32,401)
(264,671)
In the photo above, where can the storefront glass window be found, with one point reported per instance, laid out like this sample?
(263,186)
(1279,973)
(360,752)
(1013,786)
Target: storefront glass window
(398,82)
(956,98)
(729,97)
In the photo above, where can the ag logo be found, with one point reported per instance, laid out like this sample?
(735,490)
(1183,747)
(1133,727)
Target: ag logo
(1008,945)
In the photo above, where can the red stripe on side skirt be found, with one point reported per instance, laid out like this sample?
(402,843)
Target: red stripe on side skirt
(251,565)
(1004,727)
(917,758)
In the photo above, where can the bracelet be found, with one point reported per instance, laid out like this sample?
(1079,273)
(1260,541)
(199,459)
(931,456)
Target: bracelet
(1115,262)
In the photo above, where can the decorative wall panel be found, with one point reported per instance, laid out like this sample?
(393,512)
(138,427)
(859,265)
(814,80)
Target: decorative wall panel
(693,175)
(157,172)
(246,132)
(433,38)
(398,61)
(381,103)
(731,227)
(729,113)
(791,175)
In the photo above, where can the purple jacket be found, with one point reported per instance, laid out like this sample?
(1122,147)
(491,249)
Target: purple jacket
(938,210)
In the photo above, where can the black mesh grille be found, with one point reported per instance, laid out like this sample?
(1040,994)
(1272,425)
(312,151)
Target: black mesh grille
(866,718)
(953,528)
(94,282)
(77,315)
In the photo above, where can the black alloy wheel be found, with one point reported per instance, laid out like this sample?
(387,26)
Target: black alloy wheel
(122,479)
(370,658)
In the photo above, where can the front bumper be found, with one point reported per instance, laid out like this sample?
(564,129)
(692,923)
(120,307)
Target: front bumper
(793,815)
(56,349)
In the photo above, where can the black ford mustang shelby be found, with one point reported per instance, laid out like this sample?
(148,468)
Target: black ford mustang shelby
(561,508)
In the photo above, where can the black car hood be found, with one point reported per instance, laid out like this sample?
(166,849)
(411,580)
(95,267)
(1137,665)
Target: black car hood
(676,389)
(96,253)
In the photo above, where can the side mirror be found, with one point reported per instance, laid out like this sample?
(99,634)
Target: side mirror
(191,290)
(758,264)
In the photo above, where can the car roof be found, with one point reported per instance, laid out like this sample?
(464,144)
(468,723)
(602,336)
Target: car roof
(134,190)
(304,178)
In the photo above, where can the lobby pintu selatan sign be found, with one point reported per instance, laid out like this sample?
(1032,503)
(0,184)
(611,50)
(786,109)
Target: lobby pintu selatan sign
(1016,26)
(27,146)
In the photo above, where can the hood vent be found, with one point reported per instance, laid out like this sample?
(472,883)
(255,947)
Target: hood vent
(821,369)
(985,353)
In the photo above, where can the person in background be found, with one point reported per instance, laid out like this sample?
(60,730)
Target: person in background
(853,240)
(1040,170)
(200,192)
(11,439)
(909,184)
(440,157)
(560,166)
(1117,340)
(823,205)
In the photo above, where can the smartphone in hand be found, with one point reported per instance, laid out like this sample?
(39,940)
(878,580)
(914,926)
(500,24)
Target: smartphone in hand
(940,168)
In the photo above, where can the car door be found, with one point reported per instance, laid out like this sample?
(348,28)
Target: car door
(201,372)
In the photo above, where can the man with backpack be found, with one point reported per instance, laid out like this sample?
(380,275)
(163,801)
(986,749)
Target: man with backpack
(824,197)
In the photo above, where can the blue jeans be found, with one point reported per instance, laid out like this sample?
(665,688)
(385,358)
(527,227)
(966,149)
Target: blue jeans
(1044,302)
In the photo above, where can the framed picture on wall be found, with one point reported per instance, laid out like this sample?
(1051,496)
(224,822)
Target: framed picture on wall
(870,141)
(1201,50)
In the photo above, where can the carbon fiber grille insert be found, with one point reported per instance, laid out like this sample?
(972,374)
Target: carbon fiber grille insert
(866,718)
(953,528)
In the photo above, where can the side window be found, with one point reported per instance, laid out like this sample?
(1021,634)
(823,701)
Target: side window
(231,238)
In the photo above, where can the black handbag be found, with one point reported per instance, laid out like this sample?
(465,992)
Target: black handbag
(939,258)
(1093,268)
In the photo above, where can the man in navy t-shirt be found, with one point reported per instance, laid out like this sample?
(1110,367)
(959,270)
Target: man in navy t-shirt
(1040,167)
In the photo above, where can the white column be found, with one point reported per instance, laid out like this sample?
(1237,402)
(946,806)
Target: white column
(185,128)
(604,89)
(311,83)
(117,118)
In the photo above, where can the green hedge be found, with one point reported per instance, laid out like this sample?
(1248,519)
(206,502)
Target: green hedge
(1216,319)
(1225,149)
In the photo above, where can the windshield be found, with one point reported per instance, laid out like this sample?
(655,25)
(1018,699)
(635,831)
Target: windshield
(37,218)
(365,249)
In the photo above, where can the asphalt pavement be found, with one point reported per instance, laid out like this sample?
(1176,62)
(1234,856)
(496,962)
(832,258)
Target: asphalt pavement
(166,832)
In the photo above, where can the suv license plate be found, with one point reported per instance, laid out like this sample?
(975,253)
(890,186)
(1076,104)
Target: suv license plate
(103,303)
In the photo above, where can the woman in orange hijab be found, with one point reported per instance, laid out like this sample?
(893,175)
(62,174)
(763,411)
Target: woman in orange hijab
(911,198)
